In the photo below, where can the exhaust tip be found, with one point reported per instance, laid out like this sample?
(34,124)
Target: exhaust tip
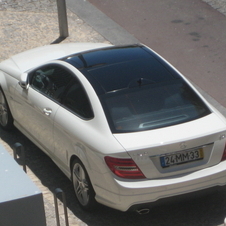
(143,211)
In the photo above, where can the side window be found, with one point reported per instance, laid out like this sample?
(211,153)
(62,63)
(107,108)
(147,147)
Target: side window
(51,80)
(77,101)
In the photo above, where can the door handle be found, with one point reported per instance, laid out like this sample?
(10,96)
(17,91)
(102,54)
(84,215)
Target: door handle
(47,111)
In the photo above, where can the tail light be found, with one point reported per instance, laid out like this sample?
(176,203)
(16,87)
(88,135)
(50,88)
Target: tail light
(125,168)
(224,154)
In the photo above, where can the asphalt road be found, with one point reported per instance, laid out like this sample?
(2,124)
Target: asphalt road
(188,33)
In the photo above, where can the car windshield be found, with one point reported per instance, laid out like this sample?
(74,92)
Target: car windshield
(152,106)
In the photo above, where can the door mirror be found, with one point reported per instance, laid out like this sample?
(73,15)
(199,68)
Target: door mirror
(24,81)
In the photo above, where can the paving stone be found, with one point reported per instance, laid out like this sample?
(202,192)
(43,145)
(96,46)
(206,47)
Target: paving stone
(219,5)
(22,30)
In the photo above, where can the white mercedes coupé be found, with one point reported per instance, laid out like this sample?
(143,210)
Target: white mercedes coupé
(121,122)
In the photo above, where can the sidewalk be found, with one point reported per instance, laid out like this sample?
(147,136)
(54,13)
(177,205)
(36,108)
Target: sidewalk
(27,25)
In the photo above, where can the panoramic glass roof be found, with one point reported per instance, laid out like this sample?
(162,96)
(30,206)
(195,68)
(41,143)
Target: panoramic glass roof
(121,67)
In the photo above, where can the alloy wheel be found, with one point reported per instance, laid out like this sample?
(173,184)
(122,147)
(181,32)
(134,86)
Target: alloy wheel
(81,185)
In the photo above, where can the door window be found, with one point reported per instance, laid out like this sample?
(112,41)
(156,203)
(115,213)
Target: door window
(51,80)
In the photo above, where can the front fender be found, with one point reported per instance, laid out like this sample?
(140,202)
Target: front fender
(8,85)
(3,83)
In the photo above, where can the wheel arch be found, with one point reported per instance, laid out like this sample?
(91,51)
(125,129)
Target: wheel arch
(3,84)
(8,84)
(7,122)
(72,159)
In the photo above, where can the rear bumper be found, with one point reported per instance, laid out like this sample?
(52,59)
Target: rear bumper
(183,198)
(123,195)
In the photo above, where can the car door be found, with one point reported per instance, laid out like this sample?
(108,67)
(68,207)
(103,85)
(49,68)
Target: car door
(37,106)
(72,123)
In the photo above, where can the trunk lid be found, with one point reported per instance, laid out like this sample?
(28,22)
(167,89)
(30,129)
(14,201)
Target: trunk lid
(178,149)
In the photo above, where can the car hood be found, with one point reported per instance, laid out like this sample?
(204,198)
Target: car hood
(29,59)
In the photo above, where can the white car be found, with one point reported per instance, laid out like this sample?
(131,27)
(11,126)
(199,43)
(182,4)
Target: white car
(120,121)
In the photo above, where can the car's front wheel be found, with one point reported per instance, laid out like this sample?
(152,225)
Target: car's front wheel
(6,119)
(82,186)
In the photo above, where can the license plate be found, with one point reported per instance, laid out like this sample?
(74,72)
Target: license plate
(181,157)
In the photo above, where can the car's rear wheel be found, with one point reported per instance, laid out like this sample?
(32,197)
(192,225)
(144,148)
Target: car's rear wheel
(82,186)
(6,119)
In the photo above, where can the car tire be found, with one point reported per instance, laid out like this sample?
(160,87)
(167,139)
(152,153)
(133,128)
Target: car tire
(6,119)
(82,186)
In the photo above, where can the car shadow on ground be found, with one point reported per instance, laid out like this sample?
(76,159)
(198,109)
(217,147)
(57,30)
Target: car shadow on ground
(207,210)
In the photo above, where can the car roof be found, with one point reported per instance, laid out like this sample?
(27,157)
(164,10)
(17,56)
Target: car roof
(119,67)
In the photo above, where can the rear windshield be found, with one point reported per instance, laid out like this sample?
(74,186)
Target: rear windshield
(152,106)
